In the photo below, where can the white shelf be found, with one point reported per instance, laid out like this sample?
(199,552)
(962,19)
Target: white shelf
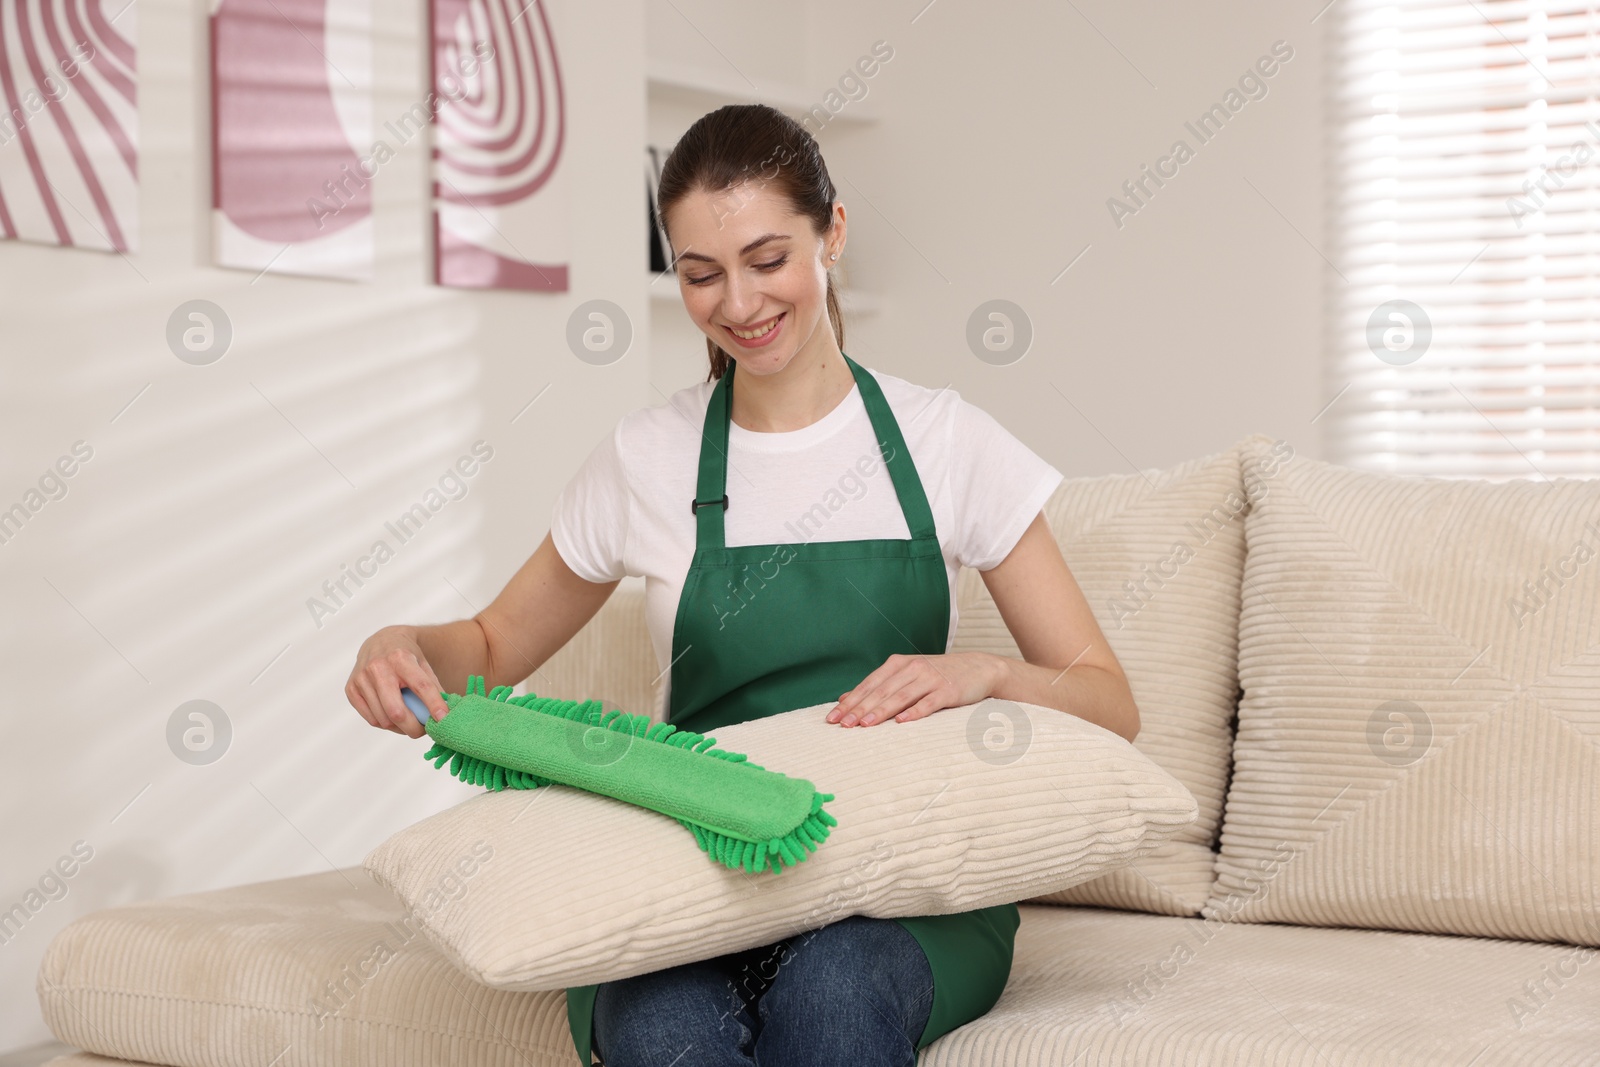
(663,290)
(697,86)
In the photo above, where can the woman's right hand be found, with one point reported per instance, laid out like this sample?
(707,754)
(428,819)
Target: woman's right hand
(387,661)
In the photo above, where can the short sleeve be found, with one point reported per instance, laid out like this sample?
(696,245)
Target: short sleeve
(589,523)
(998,485)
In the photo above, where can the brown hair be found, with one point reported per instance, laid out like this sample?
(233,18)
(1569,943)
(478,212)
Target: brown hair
(751,142)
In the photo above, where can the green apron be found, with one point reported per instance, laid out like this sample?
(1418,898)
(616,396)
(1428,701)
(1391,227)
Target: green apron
(764,629)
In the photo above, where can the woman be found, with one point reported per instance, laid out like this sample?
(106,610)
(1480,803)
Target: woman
(783,570)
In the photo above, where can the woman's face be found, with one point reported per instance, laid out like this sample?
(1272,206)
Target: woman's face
(746,263)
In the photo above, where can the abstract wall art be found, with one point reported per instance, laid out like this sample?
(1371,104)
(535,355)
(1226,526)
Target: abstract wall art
(69,123)
(499,160)
(294,158)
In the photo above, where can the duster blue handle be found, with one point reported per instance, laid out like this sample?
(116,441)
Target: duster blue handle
(414,702)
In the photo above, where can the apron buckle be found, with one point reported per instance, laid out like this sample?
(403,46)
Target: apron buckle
(696,505)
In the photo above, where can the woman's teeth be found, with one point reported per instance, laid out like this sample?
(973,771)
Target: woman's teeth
(750,335)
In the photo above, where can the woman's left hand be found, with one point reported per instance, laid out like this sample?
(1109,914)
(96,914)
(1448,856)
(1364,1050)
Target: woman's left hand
(914,687)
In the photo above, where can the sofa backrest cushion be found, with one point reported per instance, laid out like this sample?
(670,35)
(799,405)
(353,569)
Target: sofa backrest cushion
(1159,554)
(1419,738)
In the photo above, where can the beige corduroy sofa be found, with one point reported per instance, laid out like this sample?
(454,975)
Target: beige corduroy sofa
(1383,692)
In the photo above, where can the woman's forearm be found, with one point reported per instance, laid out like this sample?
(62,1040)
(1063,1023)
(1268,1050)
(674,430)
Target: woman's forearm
(1090,693)
(455,650)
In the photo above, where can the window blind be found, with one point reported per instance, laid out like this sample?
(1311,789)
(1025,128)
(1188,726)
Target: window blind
(1464,219)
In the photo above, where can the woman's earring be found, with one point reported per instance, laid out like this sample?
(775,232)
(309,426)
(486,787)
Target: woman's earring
(835,255)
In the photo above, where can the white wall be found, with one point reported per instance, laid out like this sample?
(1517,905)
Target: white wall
(178,565)
(1008,127)
(1004,130)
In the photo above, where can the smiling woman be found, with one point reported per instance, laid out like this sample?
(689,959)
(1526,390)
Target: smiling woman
(771,188)
(698,496)
(862,613)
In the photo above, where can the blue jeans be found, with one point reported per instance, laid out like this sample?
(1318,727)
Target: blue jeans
(858,991)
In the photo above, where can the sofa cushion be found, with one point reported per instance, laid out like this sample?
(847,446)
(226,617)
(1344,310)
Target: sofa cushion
(223,977)
(1419,739)
(973,806)
(1159,556)
(316,970)
(1091,986)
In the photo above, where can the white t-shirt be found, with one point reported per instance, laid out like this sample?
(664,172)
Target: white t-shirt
(626,511)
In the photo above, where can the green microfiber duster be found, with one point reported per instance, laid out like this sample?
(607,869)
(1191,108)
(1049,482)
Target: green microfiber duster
(742,815)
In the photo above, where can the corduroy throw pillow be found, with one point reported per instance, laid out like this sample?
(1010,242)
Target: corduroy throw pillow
(984,804)
(1419,739)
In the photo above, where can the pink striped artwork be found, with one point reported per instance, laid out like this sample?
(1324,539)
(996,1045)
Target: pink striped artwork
(499,121)
(293,155)
(69,123)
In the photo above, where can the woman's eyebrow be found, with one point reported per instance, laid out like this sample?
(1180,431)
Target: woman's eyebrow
(746,250)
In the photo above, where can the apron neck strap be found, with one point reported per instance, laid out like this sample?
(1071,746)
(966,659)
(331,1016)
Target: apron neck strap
(711,491)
